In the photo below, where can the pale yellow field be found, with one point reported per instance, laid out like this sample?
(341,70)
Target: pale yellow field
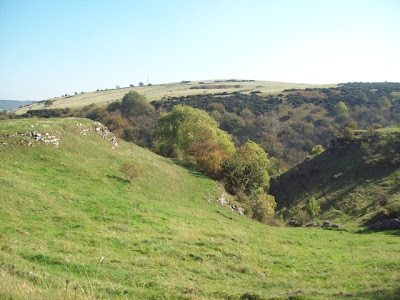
(157,92)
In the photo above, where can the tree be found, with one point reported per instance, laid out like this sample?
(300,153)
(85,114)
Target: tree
(247,170)
(262,206)
(342,112)
(191,135)
(47,103)
(348,133)
(313,208)
(317,149)
(134,104)
(141,84)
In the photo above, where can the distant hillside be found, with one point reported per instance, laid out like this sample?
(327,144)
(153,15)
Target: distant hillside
(287,124)
(353,181)
(72,227)
(159,91)
(13,104)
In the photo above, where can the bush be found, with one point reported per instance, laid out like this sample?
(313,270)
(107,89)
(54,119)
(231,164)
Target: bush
(134,103)
(247,170)
(131,171)
(348,133)
(313,207)
(262,206)
(191,135)
(317,149)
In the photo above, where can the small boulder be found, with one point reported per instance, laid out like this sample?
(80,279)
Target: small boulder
(294,223)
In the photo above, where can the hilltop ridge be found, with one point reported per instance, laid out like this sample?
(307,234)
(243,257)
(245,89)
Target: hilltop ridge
(159,91)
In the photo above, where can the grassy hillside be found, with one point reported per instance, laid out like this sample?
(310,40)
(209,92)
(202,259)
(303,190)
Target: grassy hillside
(157,92)
(72,228)
(357,181)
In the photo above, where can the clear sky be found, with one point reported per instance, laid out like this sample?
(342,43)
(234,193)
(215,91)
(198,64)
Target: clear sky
(49,48)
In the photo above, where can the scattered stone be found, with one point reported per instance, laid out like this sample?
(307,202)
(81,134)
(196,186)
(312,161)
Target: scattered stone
(313,224)
(390,224)
(329,224)
(294,223)
(101,130)
(234,207)
(222,199)
(46,138)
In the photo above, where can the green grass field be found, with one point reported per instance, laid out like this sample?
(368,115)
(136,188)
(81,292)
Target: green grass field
(157,92)
(68,214)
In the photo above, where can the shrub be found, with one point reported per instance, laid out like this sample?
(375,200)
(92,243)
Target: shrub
(313,208)
(317,149)
(131,171)
(191,135)
(247,170)
(262,206)
(348,133)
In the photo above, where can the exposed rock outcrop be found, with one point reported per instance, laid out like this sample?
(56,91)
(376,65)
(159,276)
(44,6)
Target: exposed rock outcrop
(390,224)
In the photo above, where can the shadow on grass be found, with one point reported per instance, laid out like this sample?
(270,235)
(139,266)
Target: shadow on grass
(380,295)
(189,167)
(119,179)
(386,232)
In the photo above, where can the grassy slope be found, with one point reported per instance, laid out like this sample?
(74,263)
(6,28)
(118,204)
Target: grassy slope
(349,182)
(156,92)
(63,209)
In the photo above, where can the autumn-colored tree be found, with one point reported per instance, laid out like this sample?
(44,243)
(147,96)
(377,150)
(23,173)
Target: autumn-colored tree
(191,135)
(131,171)
(116,123)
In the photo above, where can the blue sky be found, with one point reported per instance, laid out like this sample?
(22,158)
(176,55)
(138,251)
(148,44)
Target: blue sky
(49,48)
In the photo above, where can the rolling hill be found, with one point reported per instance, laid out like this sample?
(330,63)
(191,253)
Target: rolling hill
(72,227)
(13,104)
(157,92)
(354,181)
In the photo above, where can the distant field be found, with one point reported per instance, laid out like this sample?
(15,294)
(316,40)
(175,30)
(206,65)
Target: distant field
(157,92)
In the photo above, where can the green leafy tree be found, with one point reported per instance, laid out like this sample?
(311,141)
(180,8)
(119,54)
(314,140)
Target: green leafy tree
(191,135)
(134,104)
(348,133)
(247,170)
(342,112)
(262,206)
(317,149)
(313,208)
